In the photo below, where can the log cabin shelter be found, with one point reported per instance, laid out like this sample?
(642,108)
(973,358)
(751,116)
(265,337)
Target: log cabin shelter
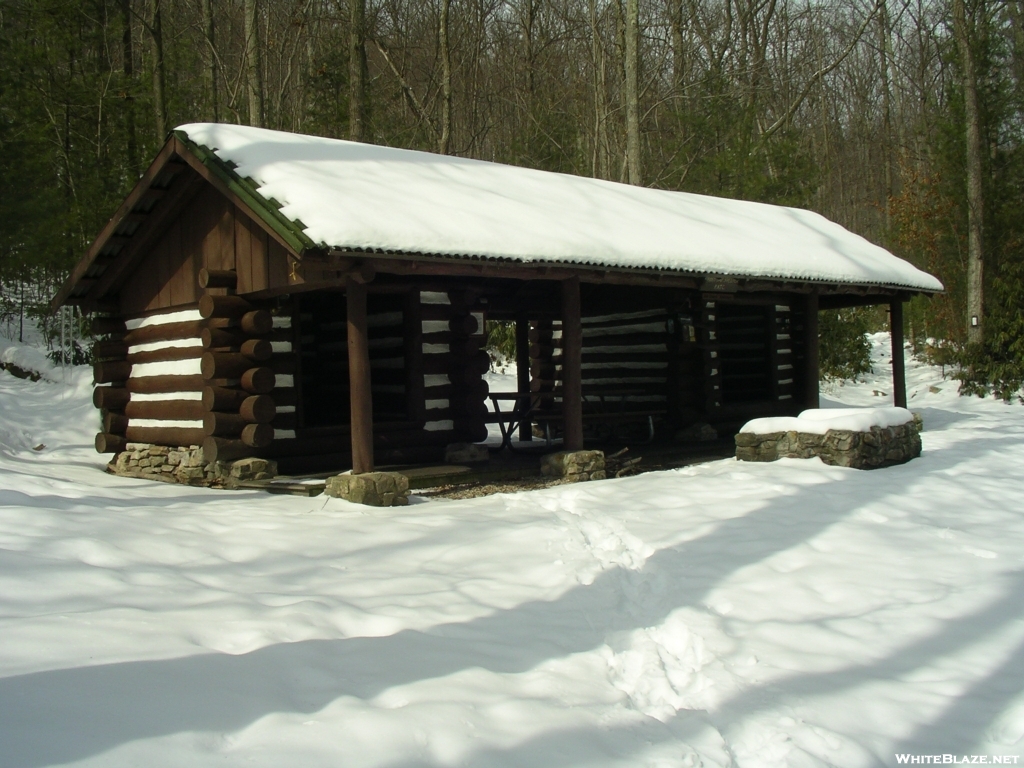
(323,302)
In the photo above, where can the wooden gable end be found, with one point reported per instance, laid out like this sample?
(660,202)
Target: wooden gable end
(209,232)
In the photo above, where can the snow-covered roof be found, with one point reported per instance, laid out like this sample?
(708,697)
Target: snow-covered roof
(365,197)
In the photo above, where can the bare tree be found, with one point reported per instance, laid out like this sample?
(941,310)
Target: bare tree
(962,30)
(357,70)
(156,36)
(444,51)
(210,72)
(631,70)
(252,63)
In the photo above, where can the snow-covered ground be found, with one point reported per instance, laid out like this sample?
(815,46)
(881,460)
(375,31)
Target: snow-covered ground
(785,614)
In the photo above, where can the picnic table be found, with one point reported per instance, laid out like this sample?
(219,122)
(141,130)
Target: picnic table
(523,406)
(526,409)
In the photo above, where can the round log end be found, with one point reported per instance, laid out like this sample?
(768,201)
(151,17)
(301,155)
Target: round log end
(257,322)
(114,423)
(110,398)
(209,398)
(222,449)
(464,325)
(206,337)
(258,381)
(206,306)
(258,409)
(217,278)
(471,430)
(471,410)
(103,326)
(107,443)
(208,365)
(111,370)
(209,423)
(259,350)
(479,363)
(258,435)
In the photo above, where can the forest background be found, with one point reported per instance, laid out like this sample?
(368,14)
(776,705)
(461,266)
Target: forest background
(900,119)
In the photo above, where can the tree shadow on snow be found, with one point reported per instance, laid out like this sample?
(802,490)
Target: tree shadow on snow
(69,714)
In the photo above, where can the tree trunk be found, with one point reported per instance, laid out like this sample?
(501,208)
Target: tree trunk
(159,78)
(211,69)
(128,66)
(975,196)
(446,80)
(252,64)
(600,157)
(678,60)
(531,75)
(357,69)
(632,83)
(884,45)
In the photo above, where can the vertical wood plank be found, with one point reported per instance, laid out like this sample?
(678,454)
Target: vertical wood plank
(811,353)
(226,228)
(360,394)
(210,243)
(572,365)
(523,368)
(196,223)
(899,369)
(170,242)
(258,239)
(243,253)
(277,264)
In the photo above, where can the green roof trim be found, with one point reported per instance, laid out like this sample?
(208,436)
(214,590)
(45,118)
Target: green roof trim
(248,191)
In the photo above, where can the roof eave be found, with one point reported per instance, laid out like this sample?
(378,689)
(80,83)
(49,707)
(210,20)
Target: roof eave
(553,270)
(142,186)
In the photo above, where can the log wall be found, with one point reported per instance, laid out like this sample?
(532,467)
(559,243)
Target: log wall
(427,366)
(753,352)
(217,374)
(243,377)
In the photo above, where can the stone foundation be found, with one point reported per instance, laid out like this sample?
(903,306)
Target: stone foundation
(881,447)
(466,453)
(375,489)
(574,466)
(187,465)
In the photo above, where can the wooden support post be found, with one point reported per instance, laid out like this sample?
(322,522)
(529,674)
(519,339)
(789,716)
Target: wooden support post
(899,370)
(572,363)
(811,354)
(523,368)
(413,345)
(360,396)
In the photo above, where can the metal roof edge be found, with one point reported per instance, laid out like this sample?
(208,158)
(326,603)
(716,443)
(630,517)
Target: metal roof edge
(248,191)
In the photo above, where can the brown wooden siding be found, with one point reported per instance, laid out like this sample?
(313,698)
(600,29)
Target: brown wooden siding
(210,232)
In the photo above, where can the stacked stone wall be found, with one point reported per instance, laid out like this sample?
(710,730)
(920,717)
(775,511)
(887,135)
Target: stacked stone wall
(879,447)
(187,465)
(574,466)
